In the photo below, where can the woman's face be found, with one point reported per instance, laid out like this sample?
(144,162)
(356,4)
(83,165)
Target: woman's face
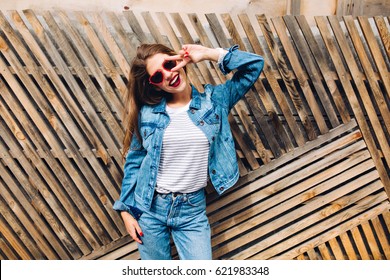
(172,81)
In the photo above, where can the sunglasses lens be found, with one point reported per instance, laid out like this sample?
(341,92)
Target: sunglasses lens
(169,64)
(157,77)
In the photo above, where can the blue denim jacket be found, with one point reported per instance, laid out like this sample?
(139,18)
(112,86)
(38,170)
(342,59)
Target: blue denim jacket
(209,111)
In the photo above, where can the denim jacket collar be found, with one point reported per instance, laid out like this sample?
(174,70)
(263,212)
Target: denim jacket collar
(195,102)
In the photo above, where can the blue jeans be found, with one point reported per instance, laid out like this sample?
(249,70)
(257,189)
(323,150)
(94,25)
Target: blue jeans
(182,216)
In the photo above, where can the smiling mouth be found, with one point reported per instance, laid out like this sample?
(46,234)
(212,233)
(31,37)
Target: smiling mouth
(175,81)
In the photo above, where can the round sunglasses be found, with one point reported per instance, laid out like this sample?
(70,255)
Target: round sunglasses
(158,76)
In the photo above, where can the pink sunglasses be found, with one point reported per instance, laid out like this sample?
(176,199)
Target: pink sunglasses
(158,76)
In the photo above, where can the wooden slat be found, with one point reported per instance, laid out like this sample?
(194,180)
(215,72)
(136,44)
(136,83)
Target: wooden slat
(374,86)
(350,92)
(324,68)
(384,34)
(347,244)
(376,255)
(377,56)
(104,105)
(266,99)
(17,248)
(292,215)
(382,238)
(359,241)
(281,172)
(300,74)
(311,69)
(287,113)
(332,221)
(336,249)
(42,126)
(324,252)
(286,75)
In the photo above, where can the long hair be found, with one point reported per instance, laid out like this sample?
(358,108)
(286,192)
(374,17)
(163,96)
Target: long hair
(139,91)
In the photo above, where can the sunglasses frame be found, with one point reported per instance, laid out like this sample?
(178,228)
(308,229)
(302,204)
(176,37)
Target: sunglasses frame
(162,74)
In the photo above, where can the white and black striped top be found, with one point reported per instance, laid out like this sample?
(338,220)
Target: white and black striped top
(184,156)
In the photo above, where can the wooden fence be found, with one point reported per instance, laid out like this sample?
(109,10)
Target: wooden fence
(312,135)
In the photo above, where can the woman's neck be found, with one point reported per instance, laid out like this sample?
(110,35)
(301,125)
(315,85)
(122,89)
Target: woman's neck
(180,99)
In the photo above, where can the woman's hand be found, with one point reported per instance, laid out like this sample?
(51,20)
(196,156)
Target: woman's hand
(194,54)
(132,226)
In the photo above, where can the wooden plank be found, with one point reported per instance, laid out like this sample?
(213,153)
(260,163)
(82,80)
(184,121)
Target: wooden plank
(187,39)
(36,94)
(324,252)
(22,243)
(276,148)
(116,100)
(336,249)
(371,241)
(57,82)
(300,74)
(136,26)
(327,224)
(39,122)
(359,242)
(374,86)
(347,244)
(6,253)
(120,41)
(324,68)
(382,238)
(311,69)
(40,243)
(350,92)
(312,254)
(282,192)
(276,89)
(384,34)
(377,56)
(295,7)
(90,88)
(34,202)
(292,215)
(281,172)
(104,106)
(47,175)
(153,28)
(13,240)
(287,77)
(62,111)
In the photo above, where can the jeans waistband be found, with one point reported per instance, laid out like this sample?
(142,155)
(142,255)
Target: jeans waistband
(176,194)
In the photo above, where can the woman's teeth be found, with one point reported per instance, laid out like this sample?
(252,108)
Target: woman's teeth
(174,80)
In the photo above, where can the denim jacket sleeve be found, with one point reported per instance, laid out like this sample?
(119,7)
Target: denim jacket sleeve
(249,67)
(134,159)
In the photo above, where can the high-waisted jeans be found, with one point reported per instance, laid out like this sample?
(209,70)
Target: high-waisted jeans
(182,217)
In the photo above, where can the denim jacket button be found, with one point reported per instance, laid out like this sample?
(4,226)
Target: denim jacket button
(221,188)
(192,111)
(213,171)
(201,122)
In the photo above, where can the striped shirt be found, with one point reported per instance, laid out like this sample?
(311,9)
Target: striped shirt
(184,156)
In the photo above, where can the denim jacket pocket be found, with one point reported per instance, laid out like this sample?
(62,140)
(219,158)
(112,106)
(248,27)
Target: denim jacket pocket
(211,117)
(147,130)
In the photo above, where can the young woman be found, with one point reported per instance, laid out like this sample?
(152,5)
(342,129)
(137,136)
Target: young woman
(176,140)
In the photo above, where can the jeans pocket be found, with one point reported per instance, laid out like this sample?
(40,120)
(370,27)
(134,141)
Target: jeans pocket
(197,200)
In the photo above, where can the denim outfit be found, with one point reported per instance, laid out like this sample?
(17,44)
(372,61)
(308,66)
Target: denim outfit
(209,111)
